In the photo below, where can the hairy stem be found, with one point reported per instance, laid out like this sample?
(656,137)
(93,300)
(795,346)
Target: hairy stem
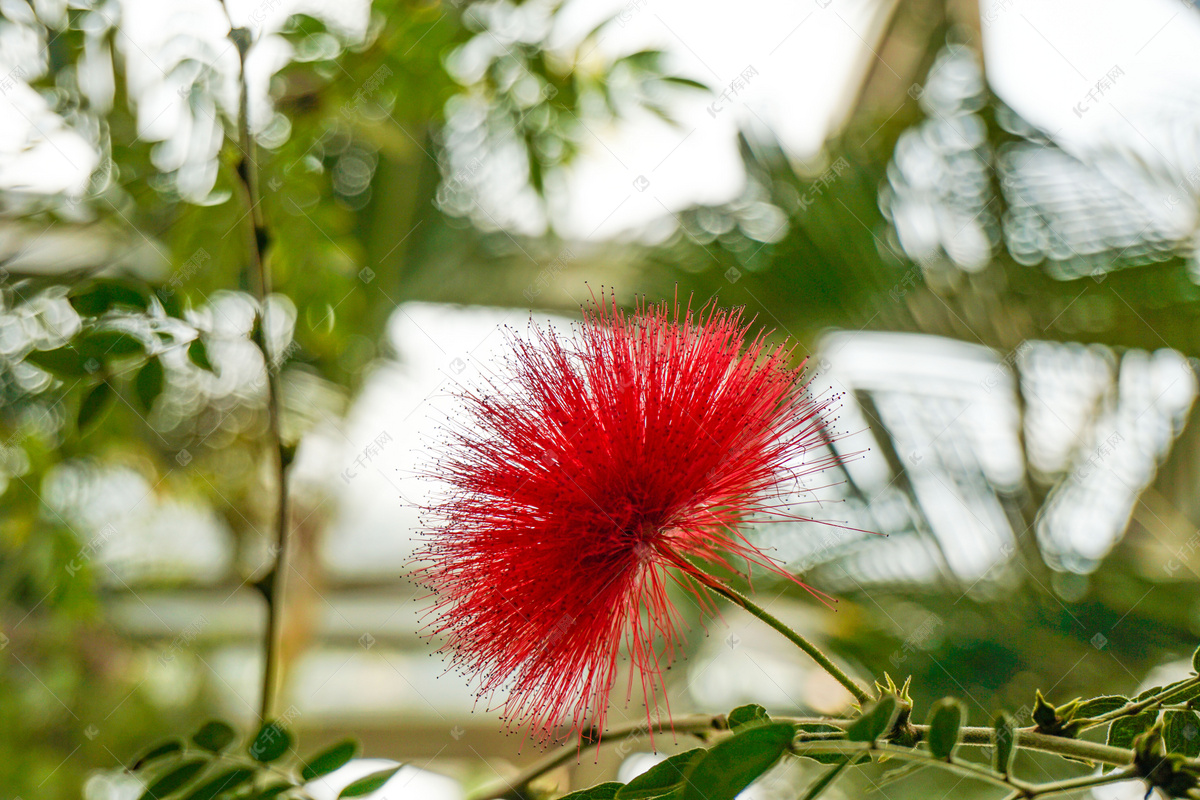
(695,724)
(699,725)
(814,652)
(1021,789)
(258,274)
(1153,701)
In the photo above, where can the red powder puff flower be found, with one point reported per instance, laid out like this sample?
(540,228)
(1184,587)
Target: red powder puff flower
(585,477)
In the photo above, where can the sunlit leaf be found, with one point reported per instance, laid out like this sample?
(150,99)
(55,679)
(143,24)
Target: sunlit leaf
(1124,730)
(95,403)
(65,362)
(875,720)
(945,722)
(604,791)
(157,752)
(230,779)
(742,716)
(198,353)
(328,760)
(97,297)
(174,780)
(149,383)
(110,344)
(271,742)
(370,783)
(214,736)
(1003,741)
(1100,705)
(273,790)
(1181,732)
(661,778)
(732,765)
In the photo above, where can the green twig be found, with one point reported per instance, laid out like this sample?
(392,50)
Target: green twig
(825,742)
(1153,701)
(259,274)
(814,652)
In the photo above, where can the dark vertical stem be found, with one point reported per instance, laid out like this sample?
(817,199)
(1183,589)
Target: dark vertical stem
(258,274)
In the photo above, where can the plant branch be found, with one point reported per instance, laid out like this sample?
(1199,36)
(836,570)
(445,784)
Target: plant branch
(814,652)
(1021,789)
(692,724)
(258,274)
(698,725)
(1153,701)
(1085,782)
(1058,745)
(964,768)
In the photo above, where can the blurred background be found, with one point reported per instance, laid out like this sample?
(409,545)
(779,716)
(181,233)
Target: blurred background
(978,219)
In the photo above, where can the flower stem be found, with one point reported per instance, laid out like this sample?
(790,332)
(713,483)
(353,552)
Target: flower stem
(258,275)
(795,638)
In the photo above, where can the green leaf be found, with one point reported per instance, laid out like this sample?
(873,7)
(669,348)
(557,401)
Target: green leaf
(1181,691)
(174,780)
(64,362)
(1181,732)
(647,60)
(822,783)
(1045,716)
(198,353)
(662,778)
(737,762)
(1004,739)
(214,736)
(274,790)
(875,721)
(230,779)
(687,82)
(149,383)
(1124,730)
(1196,660)
(1149,693)
(271,742)
(328,760)
(157,752)
(946,719)
(605,791)
(94,404)
(99,296)
(1100,705)
(110,344)
(370,783)
(742,716)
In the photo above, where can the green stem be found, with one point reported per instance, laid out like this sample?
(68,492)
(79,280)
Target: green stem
(1020,789)
(1058,745)
(699,725)
(1085,782)
(1155,701)
(692,724)
(966,769)
(259,276)
(808,647)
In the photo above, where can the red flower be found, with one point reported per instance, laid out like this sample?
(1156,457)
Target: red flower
(587,475)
